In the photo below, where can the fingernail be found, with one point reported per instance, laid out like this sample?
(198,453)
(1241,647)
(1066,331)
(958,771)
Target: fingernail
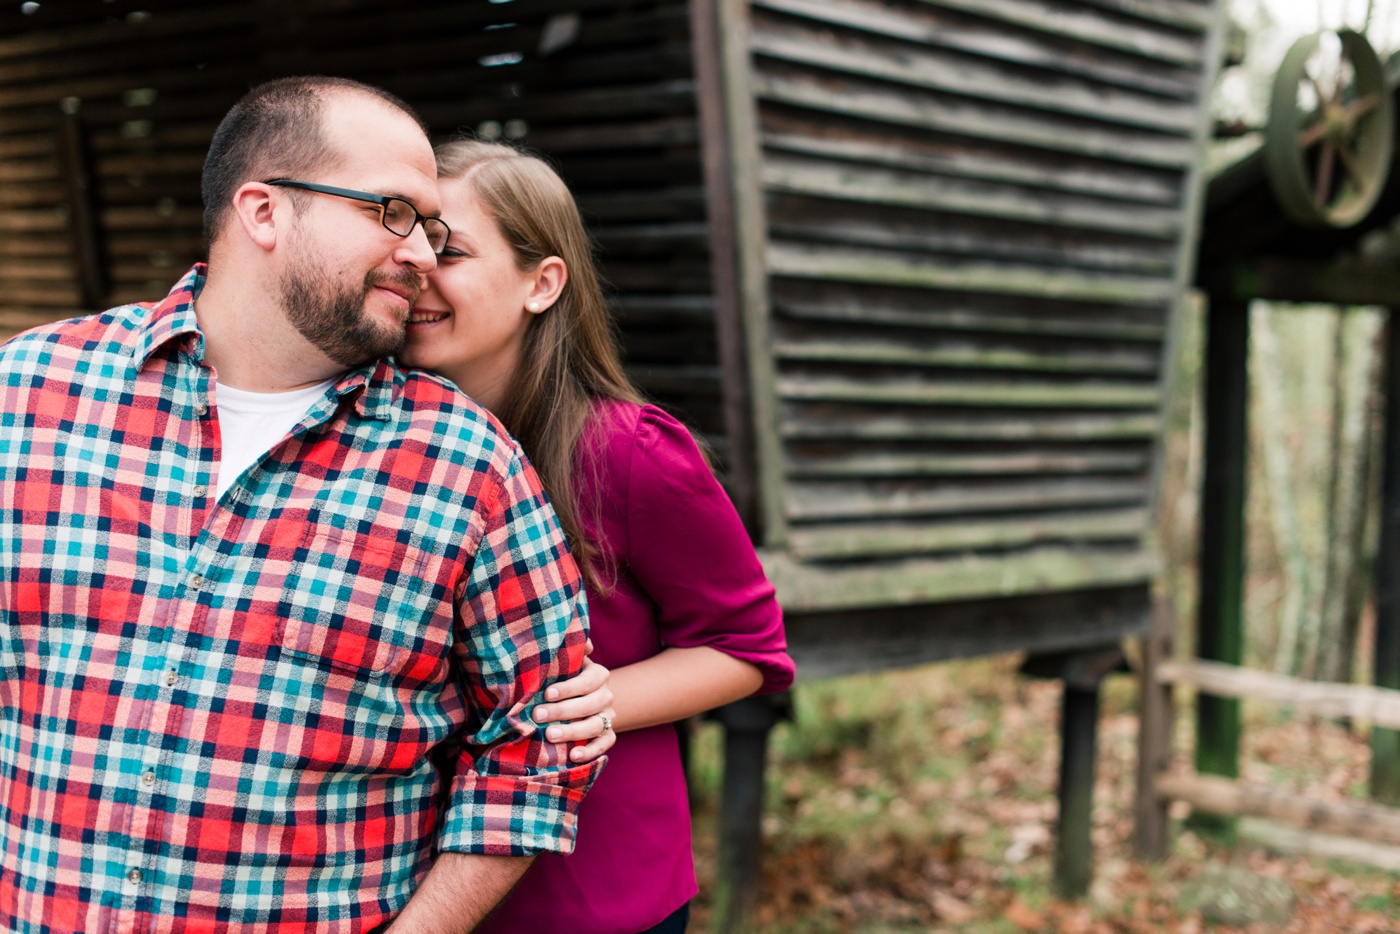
(553,734)
(540,714)
(551,693)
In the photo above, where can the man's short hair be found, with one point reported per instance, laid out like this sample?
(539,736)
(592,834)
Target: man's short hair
(274,131)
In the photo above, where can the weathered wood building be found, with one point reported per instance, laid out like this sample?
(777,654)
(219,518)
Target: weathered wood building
(909,265)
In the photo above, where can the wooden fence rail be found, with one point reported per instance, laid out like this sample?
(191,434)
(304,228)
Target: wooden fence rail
(1357,820)
(1228,797)
(1377,706)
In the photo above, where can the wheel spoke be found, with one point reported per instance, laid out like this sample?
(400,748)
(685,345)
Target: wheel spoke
(1363,105)
(1313,134)
(1358,178)
(1323,190)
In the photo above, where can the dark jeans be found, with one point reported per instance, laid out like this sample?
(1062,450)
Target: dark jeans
(674,924)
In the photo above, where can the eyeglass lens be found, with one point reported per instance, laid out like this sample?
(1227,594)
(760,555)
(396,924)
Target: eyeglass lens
(400,216)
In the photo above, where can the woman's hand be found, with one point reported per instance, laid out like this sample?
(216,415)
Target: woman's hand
(580,710)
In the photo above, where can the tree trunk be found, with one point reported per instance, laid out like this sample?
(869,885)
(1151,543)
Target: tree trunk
(1278,475)
(1347,500)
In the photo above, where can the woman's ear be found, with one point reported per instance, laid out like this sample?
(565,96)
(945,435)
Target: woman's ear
(548,280)
(255,208)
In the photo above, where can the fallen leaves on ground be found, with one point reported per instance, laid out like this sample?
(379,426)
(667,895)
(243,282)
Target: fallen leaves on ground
(924,801)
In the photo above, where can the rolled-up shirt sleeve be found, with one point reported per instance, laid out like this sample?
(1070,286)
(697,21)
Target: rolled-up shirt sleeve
(522,626)
(690,552)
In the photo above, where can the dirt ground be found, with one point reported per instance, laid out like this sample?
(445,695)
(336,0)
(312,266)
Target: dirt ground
(924,800)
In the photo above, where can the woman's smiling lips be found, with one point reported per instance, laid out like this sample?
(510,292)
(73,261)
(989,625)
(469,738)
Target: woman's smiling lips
(426,316)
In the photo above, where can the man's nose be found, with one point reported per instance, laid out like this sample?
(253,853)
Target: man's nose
(415,252)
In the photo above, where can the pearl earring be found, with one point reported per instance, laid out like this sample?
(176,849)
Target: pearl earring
(533,306)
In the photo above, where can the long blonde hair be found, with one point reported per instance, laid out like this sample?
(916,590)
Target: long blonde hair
(569,357)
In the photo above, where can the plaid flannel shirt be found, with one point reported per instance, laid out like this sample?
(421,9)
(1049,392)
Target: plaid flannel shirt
(219,715)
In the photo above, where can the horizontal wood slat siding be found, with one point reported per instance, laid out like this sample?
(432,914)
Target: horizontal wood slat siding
(149,85)
(614,108)
(974,212)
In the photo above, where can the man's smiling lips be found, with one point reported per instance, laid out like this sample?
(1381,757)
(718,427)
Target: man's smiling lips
(397,291)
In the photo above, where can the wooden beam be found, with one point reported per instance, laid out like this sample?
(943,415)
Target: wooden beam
(971,355)
(826,263)
(981,39)
(747,724)
(724,267)
(1219,622)
(1241,799)
(1156,731)
(948,390)
(1301,280)
(820,586)
(848,423)
(1378,706)
(1385,744)
(818,501)
(1074,848)
(1086,26)
(923,112)
(1111,322)
(745,163)
(930,69)
(828,645)
(857,540)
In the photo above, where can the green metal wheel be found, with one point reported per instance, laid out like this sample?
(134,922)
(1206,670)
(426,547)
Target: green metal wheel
(1330,132)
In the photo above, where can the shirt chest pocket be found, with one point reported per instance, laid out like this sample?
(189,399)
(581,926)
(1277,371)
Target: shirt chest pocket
(353,603)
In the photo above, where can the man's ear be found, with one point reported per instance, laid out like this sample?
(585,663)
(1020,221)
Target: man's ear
(255,206)
(550,277)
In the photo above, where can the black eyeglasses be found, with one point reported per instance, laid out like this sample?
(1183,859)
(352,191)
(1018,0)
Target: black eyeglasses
(397,215)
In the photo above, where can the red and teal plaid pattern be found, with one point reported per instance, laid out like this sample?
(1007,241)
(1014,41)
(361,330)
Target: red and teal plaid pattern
(219,715)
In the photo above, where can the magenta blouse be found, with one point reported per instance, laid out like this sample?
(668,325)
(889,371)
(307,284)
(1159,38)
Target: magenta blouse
(687,576)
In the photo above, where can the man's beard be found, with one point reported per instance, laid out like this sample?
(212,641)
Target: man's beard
(336,322)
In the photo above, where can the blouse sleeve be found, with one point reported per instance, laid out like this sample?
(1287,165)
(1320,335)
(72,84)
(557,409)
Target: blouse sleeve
(688,549)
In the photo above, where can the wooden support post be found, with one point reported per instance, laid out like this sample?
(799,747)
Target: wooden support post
(1081,672)
(747,724)
(82,212)
(741,469)
(1385,744)
(1156,725)
(1219,620)
(1074,849)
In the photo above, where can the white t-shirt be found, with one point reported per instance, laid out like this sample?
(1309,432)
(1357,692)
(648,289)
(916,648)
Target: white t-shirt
(250,423)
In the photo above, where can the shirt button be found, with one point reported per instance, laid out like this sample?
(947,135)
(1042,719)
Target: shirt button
(201,491)
(171,677)
(148,779)
(133,876)
(202,409)
(196,582)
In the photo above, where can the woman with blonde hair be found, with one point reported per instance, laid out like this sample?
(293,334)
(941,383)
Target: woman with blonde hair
(679,606)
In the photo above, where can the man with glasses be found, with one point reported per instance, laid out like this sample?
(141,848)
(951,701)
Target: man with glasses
(255,578)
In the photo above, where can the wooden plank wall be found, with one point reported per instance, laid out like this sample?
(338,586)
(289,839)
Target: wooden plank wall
(604,87)
(975,216)
(145,117)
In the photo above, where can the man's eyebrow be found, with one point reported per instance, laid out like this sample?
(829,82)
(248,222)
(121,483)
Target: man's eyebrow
(412,201)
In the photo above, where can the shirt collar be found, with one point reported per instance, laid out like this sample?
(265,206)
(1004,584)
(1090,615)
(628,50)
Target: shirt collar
(172,318)
(375,383)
